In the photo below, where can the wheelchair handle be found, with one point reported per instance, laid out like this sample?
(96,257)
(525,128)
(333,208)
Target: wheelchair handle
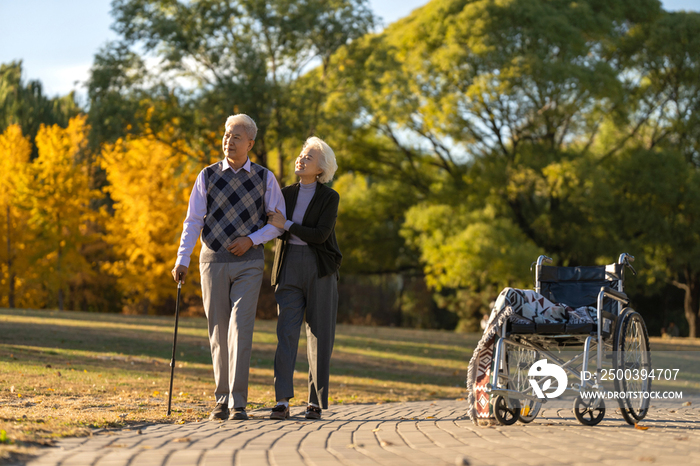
(625,259)
(544,258)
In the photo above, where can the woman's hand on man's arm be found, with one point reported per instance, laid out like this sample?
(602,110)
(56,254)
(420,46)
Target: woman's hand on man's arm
(276,219)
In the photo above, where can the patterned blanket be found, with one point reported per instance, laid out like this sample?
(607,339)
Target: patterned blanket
(520,307)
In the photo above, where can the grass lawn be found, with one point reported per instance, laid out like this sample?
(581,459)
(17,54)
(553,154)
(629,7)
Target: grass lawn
(62,373)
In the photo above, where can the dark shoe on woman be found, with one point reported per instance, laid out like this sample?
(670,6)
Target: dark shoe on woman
(219,412)
(312,412)
(238,414)
(280,412)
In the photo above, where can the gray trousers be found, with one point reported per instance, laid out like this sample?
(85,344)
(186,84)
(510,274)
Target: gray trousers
(300,290)
(230,293)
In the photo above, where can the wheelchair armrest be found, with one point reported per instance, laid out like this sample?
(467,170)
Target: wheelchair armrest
(616,295)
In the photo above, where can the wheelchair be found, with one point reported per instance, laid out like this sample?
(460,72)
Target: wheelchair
(618,334)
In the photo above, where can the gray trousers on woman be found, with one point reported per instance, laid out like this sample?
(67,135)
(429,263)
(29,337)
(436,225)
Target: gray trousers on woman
(300,290)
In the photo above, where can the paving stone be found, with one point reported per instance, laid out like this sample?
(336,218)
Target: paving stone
(386,435)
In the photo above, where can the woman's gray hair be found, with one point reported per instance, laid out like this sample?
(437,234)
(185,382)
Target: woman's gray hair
(326,162)
(251,129)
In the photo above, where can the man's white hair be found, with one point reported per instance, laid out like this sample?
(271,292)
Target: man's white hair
(251,129)
(326,162)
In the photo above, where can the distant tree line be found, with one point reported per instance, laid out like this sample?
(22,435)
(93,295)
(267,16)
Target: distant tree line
(472,136)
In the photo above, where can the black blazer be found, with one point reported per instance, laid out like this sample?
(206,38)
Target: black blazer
(317,230)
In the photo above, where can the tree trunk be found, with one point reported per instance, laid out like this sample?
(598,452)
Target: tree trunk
(399,300)
(58,266)
(10,272)
(280,159)
(691,303)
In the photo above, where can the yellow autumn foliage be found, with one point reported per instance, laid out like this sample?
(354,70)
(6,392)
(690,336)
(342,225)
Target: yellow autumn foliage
(58,198)
(149,182)
(14,158)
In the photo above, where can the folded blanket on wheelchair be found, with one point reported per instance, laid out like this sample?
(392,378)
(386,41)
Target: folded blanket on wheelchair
(529,312)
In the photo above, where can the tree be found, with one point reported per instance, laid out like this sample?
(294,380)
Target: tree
(150,183)
(501,114)
(15,150)
(239,56)
(27,106)
(658,176)
(59,198)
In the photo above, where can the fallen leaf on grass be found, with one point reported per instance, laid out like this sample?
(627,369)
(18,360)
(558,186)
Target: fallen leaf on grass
(687,403)
(376,430)
(189,410)
(637,426)
(430,417)
(182,440)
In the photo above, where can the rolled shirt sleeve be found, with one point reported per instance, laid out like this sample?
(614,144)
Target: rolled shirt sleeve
(192,226)
(273,200)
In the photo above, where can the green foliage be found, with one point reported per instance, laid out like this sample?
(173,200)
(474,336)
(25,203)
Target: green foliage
(371,214)
(514,120)
(26,105)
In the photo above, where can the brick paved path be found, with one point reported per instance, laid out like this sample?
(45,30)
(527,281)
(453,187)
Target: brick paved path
(423,433)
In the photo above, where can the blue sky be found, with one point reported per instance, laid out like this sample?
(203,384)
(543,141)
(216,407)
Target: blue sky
(57,39)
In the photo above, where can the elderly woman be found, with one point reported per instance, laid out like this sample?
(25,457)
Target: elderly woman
(305,276)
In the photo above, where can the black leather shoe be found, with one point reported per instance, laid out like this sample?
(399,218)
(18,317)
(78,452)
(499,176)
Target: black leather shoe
(238,414)
(219,412)
(312,412)
(280,412)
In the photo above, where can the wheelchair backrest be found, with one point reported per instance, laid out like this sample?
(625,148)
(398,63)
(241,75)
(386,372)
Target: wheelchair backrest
(579,286)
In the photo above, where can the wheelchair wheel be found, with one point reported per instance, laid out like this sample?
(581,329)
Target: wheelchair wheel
(586,414)
(519,362)
(506,411)
(631,359)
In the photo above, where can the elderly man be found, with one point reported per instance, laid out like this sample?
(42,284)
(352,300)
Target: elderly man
(228,207)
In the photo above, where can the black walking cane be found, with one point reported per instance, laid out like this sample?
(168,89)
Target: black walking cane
(172,360)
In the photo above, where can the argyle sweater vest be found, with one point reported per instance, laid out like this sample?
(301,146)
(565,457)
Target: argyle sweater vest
(235,208)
